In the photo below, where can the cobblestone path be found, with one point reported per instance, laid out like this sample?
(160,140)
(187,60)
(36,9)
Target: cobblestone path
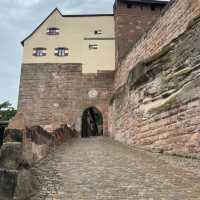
(101,169)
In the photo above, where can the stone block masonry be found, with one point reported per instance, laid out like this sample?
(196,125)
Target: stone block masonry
(151,100)
(52,93)
(170,25)
(159,105)
(131,20)
(17,179)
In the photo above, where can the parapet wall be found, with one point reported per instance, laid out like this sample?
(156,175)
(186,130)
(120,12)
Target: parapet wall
(170,25)
(158,105)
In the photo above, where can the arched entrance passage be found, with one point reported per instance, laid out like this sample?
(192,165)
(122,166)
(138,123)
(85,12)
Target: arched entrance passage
(92,123)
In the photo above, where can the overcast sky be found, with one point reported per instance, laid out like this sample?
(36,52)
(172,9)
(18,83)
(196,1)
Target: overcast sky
(18,19)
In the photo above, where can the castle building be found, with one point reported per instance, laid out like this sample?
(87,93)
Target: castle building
(69,62)
(86,39)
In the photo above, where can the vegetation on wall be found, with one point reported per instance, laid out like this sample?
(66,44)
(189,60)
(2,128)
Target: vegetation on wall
(7,111)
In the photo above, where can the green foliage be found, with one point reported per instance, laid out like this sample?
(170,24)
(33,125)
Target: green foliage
(99,120)
(6,111)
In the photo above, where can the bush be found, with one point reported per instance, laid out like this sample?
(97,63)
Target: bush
(6,111)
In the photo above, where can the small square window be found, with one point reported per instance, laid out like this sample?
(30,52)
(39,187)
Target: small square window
(93,46)
(98,32)
(53,31)
(61,51)
(39,52)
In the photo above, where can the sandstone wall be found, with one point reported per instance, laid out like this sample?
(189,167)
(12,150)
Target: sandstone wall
(172,23)
(21,150)
(16,179)
(159,105)
(52,93)
(38,141)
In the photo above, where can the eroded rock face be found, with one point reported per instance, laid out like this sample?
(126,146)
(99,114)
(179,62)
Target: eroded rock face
(17,184)
(16,179)
(26,185)
(21,149)
(18,122)
(11,156)
(8,180)
(40,140)
(159,106)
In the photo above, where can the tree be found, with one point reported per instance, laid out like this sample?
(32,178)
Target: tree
(6,111)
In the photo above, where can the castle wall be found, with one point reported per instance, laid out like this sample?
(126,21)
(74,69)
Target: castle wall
(159,105)
(155,100)
(52,93)
(167,27)
(131,20)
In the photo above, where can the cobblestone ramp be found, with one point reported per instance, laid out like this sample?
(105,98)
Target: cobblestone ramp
(101,169)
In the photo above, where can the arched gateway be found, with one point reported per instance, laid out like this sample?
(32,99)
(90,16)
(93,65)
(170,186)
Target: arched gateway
(92,123)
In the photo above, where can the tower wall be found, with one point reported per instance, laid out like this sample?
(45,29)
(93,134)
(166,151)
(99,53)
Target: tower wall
(52,93)
(131,21)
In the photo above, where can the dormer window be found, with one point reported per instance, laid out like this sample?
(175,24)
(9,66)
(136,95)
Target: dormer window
(93,46)
(39,52)
(61,51)
(53,31)
(98,32)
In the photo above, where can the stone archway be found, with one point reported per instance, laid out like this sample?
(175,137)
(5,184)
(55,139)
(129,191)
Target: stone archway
(92,123)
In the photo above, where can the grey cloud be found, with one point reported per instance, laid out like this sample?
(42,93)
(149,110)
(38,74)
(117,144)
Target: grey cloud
(18,19)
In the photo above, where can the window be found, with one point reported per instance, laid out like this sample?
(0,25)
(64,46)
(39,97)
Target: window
(98,32)
(39,51)
(93,46)
(61,51)
(53,31)
(129,5)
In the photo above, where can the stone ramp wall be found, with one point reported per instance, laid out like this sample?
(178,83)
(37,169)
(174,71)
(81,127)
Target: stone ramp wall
(8,180)
(159,105)
(22,148)
(38,142)
(172,23)
(16,180)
